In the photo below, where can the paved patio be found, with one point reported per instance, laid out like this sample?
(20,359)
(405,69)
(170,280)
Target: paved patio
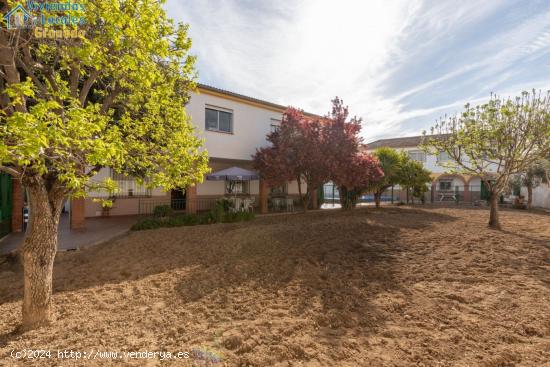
(97,230)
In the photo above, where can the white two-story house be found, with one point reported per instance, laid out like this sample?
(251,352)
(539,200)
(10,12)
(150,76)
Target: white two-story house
(233,126)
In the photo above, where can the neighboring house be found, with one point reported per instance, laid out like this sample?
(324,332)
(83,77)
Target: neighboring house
(541,196)
(445,186)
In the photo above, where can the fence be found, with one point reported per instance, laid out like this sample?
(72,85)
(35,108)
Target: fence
(469,195)
(147,206)
(275,205)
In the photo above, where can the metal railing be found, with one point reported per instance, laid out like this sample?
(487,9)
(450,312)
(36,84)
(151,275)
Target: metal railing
(147,205)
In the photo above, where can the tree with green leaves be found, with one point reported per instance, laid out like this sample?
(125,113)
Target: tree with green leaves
(413,177)
(495,141)
(390,162)
(70,106)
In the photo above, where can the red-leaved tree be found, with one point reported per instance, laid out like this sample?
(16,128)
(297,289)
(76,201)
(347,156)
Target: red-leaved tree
(356,177)
(296,153)
(350,169)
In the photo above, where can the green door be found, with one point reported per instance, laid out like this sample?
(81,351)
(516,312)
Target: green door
(485,194)
(5,204)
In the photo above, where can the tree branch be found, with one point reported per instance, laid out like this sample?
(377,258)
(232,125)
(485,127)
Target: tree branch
(110,99)
(87,86)
(11,171)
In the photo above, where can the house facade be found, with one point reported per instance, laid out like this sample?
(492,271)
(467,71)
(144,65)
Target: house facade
(445,186)
(232,125)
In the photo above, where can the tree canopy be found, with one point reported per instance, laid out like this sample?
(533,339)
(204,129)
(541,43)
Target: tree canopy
(413,177)
(314,150)
(390,163)
(113,96)
(495,140)
(350,168)
(295,153)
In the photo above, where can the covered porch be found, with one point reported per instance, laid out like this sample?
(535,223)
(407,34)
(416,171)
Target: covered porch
(97,230)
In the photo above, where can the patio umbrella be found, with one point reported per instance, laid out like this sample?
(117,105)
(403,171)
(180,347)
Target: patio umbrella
(233,174)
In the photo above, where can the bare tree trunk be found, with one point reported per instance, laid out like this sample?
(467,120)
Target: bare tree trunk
(377,196)
(493,216)
(529,196)
(346,198)
(38,255)
(303,198)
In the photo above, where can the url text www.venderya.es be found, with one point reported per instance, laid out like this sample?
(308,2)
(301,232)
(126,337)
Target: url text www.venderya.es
(96,354)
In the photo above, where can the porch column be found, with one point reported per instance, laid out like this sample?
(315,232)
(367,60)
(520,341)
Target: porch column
(78,221)
(17,206)
(191,199)
(264,191)
(467,197)
(314,200)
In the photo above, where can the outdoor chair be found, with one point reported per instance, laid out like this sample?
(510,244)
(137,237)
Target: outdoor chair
(236,204)
(276,203)
(249,204)
(289,204)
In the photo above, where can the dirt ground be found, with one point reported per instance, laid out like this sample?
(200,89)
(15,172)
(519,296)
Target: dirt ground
(389,287)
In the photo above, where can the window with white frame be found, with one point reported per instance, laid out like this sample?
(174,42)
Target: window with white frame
(236,187)
(218,120)
(417,155)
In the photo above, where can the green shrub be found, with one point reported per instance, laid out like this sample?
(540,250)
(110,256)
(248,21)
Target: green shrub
(149,223)
(237,217)
(224,205)
(190,220)
(162,211)
(207,218)
(175,221)
(214,216)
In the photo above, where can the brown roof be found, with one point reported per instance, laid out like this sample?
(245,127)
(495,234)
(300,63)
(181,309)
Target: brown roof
(406,142)
(256,101)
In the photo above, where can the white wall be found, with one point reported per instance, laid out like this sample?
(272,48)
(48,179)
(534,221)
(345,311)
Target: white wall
(541,196)
(475,184)
(251,124)
(431,163)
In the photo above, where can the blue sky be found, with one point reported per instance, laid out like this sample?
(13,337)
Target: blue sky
(398,64)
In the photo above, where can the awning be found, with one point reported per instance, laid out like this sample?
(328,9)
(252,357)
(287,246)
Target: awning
(233,174)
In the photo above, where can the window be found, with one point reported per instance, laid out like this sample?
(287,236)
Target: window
(443,157)
(445,185)
(417,155)
(236,187)
(275,125)
(216,120)
(279,190)
(128,186)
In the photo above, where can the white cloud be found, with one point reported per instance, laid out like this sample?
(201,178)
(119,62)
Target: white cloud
(304,53)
